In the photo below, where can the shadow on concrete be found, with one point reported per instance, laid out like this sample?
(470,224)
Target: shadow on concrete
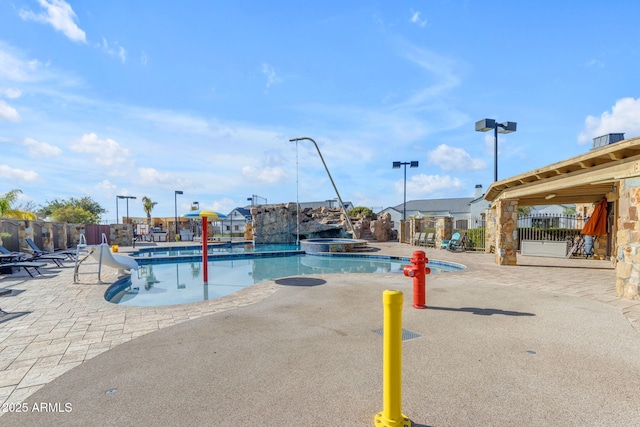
(5,316)
(482,311)
(581,267)
(5,292)
(300,281)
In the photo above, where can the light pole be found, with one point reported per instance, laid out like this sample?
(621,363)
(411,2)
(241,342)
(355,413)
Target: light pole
(127,198)
(175,197)
(488,124)
(117,220)
(396,165)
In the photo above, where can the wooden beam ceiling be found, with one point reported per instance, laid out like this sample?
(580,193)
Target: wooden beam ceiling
(582,179)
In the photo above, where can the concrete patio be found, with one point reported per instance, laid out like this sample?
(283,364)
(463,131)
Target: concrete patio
(546,342)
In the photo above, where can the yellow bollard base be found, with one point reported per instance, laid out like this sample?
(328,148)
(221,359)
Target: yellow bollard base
(381,421)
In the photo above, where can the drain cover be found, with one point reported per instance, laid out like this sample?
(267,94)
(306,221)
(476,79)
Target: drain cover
(406,335)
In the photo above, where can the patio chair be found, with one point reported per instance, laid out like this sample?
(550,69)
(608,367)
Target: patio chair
(444,244)
(457,243)
(430,240)
(419,237)
(71,255)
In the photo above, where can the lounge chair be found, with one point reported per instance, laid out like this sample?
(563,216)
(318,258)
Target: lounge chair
(6,251)
(457,242)
(71,255)
(26,265)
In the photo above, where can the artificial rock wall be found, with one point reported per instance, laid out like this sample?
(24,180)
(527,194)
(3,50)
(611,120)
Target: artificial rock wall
(279,224)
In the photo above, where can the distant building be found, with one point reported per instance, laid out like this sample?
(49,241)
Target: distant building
(463,210)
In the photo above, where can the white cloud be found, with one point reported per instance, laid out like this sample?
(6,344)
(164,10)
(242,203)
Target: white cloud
(15,67)
(12,93)
(222,205)
(272,77)
(153,177)
(423,185)
(106,186)
(454,159)
(444,73)
(623,118)
(60,16)
(7,112)
(115,50)
(269,175)
(15,174)
(594,63)
(40,149)
(144,59)
(107,152)
(415,18)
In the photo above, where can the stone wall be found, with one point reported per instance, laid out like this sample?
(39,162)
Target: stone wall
(628,240)
(57,236)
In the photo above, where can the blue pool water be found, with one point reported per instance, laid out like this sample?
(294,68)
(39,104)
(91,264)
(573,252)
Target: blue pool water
(213,249)
(170,283)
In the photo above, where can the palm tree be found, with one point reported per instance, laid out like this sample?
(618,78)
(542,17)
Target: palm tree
(8,199)
(148,206)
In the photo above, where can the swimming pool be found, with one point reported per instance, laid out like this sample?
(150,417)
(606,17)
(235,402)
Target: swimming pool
(180,282)
(213,249)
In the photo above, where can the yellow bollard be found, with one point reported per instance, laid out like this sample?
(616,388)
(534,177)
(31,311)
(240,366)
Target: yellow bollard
(391,415)
(114,248)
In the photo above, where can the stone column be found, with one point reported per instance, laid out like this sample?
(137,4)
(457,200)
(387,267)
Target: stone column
(628,240)
(506,231)
(490,230)
(444,229)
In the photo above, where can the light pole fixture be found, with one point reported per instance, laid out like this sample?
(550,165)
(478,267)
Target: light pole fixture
(396,165)
(488,124)
(127,198)
(175,197)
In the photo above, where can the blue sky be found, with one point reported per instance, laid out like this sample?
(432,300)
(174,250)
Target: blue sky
(144,98)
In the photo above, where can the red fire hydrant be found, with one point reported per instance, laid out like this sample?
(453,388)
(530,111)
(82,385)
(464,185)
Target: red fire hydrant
(419,272)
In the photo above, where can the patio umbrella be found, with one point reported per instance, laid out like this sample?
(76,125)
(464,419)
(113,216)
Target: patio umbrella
(597,223)
(203,212)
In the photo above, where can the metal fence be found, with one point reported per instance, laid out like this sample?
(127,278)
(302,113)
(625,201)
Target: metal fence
(556,228)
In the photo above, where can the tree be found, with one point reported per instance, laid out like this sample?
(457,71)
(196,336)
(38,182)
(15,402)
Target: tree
(59,210)
(148,206)
(524,210)
(73,215)
(362,212)
(7,200)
